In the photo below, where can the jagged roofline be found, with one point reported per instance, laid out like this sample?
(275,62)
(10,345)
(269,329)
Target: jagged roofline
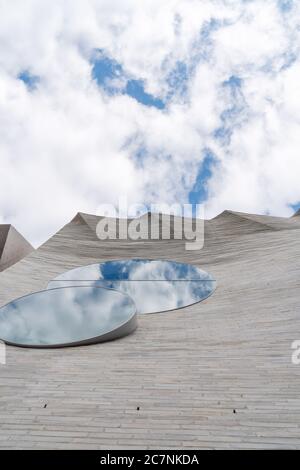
(83,218)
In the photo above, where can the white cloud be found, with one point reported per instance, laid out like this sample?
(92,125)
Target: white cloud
(67,145)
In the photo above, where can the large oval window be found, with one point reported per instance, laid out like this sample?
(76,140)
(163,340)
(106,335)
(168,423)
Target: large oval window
(154,285)
(67,316)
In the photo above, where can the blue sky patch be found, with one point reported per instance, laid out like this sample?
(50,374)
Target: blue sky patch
(233,115)
(31,81)
(135,89)
(234,83)
(111,76)
(199,192)
(104,70)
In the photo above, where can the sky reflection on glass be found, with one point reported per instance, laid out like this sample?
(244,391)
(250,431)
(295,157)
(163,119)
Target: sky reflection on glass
(154,285)
(64,316)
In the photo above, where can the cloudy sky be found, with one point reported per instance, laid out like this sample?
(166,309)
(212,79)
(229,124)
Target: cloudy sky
(161,101)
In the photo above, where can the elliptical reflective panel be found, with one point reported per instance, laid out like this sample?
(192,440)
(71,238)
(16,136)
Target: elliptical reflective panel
(67,316)
(154,285)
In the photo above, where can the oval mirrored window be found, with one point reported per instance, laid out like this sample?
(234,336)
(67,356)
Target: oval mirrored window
(154,285)
(67,316)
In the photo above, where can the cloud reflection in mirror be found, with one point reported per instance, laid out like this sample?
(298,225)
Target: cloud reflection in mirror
(64,316)
(154,285)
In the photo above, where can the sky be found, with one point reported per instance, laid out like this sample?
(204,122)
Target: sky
(161,102)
